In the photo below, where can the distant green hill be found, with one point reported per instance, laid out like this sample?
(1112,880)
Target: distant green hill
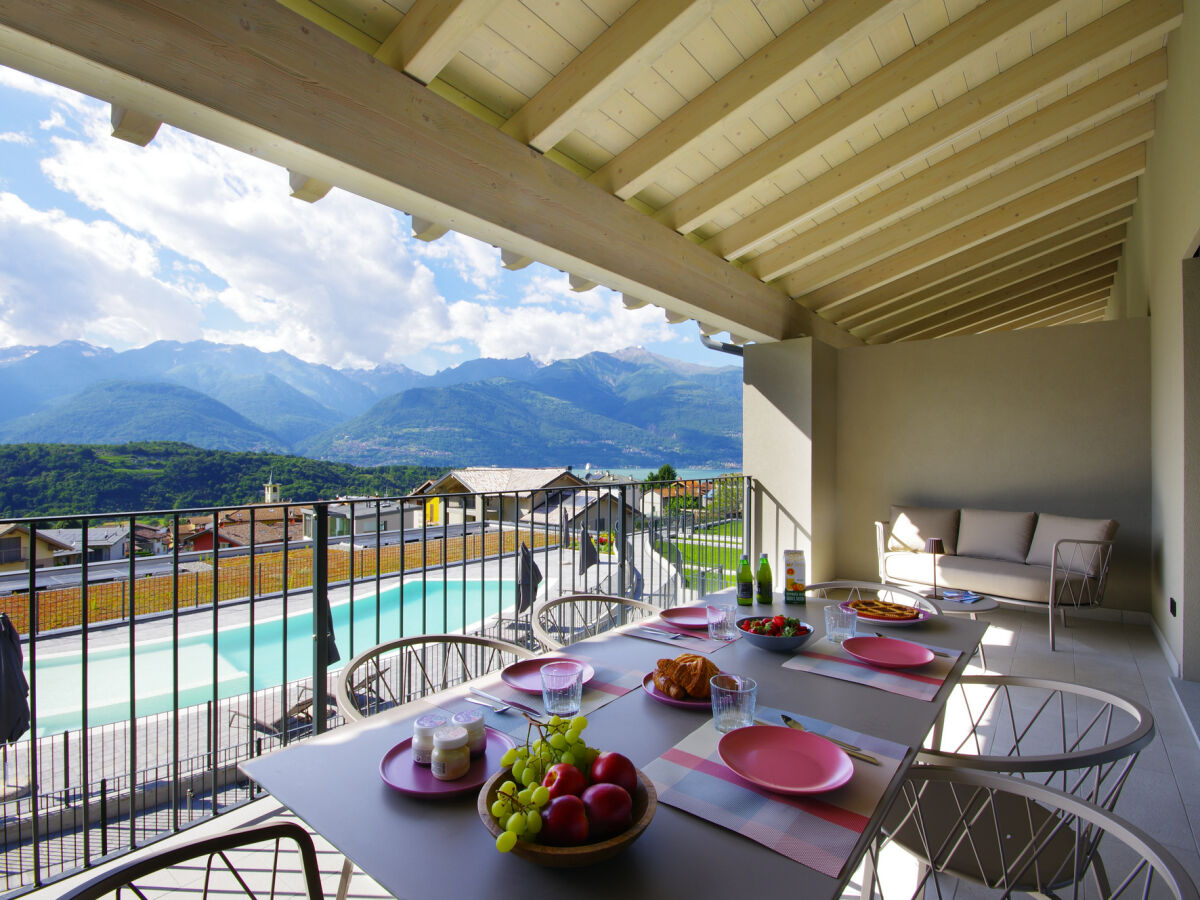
(64,479)
(116,411)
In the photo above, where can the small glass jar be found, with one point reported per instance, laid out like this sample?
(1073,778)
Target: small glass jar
(422,740)
(451,758)
(476,731)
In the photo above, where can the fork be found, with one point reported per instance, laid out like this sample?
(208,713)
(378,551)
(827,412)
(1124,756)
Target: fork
(851,749)
(500,708)
(673,635)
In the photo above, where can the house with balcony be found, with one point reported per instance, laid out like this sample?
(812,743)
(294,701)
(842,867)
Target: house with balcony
(956,245)
(14,548)
(496,494)
(365,515)
(104,544)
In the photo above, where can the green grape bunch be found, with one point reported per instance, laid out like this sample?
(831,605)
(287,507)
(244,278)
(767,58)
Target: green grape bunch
(519,800)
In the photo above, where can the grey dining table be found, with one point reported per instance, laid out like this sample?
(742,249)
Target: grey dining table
(424,848)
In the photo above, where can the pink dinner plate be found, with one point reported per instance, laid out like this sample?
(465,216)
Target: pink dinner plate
(398,770)
(922,616)
(784,760)
(526,675)
(687,616)
(888,653)
(649,688)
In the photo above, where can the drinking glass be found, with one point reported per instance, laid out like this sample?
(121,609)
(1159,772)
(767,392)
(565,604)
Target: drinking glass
(721,625)
(562,688)
(733,699)
(839,623)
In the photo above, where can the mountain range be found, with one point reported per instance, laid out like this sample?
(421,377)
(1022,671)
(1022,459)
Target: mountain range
(616,409)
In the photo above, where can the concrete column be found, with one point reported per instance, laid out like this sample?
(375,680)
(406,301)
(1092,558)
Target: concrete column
(1188,606)
(789,415)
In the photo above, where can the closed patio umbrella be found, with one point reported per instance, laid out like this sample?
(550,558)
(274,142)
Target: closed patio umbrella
(588,554)
(14,689)
(331,650)
(529,576)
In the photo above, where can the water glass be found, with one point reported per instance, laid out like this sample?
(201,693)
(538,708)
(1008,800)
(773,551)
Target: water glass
(733,698)
(839,623)
(721,618)
(562,688)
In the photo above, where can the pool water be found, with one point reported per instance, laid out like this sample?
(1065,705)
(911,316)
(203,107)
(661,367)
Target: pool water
(435,606)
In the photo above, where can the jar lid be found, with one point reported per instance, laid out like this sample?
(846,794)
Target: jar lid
(449,737)
(427,724)
(467,720)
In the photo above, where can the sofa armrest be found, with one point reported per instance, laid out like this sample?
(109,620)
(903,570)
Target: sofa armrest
(1089,559)
(881,547)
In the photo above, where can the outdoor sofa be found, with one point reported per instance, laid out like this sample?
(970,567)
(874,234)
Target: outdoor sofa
(1023,558)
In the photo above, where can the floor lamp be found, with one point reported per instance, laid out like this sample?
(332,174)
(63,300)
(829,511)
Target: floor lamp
(934,546)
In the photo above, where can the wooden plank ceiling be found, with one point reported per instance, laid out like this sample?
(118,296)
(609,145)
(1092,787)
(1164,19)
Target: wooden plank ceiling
(871,171)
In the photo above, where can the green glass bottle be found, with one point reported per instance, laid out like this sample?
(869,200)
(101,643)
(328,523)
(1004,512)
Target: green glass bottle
(745,582)
(763,592)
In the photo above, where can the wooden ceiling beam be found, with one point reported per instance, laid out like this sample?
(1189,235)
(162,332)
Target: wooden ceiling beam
(1017,143)
(1086,308)
(1124,166)
(1003,297)
(257,77)
(1046,71)
(430,35)
(874,325)
(310,190)
(629,46)
(132,126)
(1068,298)
(893,85)
(977,263)
(1095,280)
(1103,141)
(816,40)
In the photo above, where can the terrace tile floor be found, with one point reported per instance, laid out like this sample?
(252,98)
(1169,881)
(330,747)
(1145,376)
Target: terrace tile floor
(1162,796)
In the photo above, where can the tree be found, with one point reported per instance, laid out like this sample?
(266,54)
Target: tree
(666,472)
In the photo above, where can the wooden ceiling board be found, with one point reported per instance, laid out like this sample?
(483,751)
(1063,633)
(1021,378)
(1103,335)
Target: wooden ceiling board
(574,20)
(1077,311)
(924,18)
(743,26)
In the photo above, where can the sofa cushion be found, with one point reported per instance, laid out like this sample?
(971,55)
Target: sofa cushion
(993,577)
(995,534)
(912,525)
(1054,528)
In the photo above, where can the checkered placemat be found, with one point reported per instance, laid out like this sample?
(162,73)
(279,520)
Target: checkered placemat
(818,831)
(824,657)
(609,683)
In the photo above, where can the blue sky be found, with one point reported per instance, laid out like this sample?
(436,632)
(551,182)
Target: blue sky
(184,239)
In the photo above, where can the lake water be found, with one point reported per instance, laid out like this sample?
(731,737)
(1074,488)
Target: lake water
(440,607)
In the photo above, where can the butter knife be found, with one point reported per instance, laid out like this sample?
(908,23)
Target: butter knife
(856,752)
(673,635)
(513,703)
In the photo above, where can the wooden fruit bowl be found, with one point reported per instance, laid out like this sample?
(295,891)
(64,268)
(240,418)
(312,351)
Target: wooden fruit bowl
(645,802)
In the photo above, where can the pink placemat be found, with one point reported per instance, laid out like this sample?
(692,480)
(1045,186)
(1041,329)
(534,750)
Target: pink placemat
(824,657)
(818,831)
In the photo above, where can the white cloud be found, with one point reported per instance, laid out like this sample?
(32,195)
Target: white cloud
(28,84)
(55,120)
(476,262)
(15,137)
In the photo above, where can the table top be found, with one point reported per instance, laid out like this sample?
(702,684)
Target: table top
(415,847)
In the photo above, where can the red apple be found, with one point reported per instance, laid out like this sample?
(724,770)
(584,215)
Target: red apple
(613,768)
(564,821)
(609,809)
(562,778)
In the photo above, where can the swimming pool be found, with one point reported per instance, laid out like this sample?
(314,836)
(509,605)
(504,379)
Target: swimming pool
(435,606)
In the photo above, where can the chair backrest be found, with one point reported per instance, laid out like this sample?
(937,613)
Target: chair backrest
(565,620)
(854,590)
(408,668)
(1079,739)
(1011,835)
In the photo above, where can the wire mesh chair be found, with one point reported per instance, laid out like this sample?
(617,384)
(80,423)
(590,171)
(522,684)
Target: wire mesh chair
(574,617)
(148,873)
(397,671)
(1016,836)
(857,590)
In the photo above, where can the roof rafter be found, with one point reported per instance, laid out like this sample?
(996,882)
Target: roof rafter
(1065,293)
(1123,166)
(892,85)
(430,35)
(797,53)
(640,36)
(1087,307)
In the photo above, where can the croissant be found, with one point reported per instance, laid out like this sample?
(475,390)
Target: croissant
(668,687)
(691,672)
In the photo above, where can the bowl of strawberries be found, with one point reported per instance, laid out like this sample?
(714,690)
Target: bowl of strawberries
(781,634)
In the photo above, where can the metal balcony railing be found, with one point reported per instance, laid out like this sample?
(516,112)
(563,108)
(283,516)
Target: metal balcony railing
(152,677)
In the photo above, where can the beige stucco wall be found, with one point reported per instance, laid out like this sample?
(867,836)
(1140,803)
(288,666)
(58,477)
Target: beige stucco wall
(1053,420)
(789,447)
(1164,231)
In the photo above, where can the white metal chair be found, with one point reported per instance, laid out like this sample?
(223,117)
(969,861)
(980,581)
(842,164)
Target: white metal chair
(574,617)
(892,593)
(1011,835)
(397,671)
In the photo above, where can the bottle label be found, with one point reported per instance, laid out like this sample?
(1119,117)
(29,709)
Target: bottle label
(794,575)
(745,591)
(764,594)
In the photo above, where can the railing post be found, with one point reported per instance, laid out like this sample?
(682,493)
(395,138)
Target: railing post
(321,625)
